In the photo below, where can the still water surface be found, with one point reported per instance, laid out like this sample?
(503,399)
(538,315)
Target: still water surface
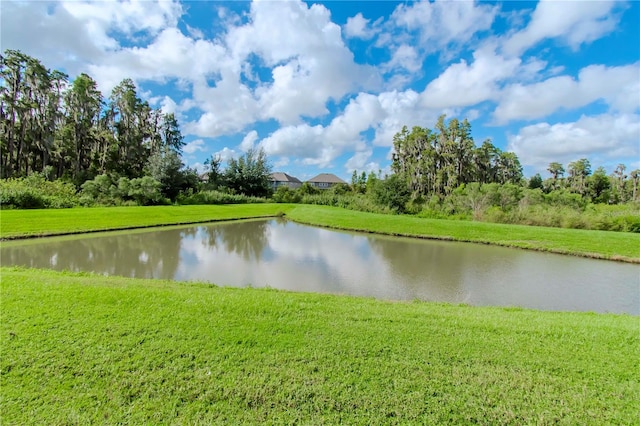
(286,255)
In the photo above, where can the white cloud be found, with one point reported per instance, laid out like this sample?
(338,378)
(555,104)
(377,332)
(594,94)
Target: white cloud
(462,84)
(226,154)
(308,69)
(604,139)
(619,87)
(228,107)
(574,22)
(72,33)
(171,55)
(320,145)
(359,161)
(193,146)
(168,105)
(358,27)
(248,141)
(441,23)
(302,141)
(405,57)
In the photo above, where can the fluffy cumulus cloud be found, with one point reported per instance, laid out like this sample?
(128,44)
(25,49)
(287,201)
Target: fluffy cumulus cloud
(307,71)
(385,114)
(358,27)
(171,55)
(249,141)
(442,23)
(194,146)
(72,33)
(619,87)
(464,84)
(604,139)
(567,20)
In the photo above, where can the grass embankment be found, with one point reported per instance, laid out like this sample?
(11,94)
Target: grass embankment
(84,349)
(595,244)
(46,222)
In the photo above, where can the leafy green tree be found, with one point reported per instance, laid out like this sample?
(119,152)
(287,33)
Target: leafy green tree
(284,194)
(307,189)
(83,103)
(599,185)
(535,181)
(132,129)
(635,178)
(392,192)
(250,174)
(214,175)
(146,191)
(359,182)
(165,166)
(509,169)
(438,161)
(578,173)
(556,170)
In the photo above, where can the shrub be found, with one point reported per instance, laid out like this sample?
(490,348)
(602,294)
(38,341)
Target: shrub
(35,192)
(217,197)
(284,194)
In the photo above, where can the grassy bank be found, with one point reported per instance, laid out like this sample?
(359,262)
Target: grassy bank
(597,244)
(81,349)
(30,223)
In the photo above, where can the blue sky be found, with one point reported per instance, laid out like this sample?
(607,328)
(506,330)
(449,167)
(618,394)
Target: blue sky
(323,86)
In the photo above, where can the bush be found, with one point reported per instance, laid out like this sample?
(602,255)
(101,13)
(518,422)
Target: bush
(35,192)
(392,192)
(284,194)
(217,197)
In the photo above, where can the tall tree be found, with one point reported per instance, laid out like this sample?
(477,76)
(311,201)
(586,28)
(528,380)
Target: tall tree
(249,174)
(132,129)
(578,172)
(83,104)
(556,170)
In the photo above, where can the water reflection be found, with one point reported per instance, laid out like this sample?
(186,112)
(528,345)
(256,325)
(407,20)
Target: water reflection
(285,255)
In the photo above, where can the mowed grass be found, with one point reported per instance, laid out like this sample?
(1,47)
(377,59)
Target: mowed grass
(85,349)
(596,244)
(32,223)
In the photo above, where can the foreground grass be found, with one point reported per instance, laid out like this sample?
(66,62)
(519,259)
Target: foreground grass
(81,349)
(597,244)
(31,223)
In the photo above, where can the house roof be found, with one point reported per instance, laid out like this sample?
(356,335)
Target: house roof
(326,177)
(283,177)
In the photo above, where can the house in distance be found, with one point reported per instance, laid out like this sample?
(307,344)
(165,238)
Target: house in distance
(325,180)
(279,179)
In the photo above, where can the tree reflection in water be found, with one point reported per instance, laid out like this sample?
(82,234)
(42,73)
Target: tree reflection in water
(247,239)
(139,255)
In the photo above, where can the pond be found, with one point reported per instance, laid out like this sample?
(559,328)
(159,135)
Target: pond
(285,255)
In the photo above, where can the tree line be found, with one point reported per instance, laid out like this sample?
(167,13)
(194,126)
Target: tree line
(115,150)
(69,130)
(437,161)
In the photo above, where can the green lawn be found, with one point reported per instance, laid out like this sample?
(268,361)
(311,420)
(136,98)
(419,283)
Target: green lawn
(598,244)
(21,223)
(84,349)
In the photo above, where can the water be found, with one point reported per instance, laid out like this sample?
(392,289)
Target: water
(285,255)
